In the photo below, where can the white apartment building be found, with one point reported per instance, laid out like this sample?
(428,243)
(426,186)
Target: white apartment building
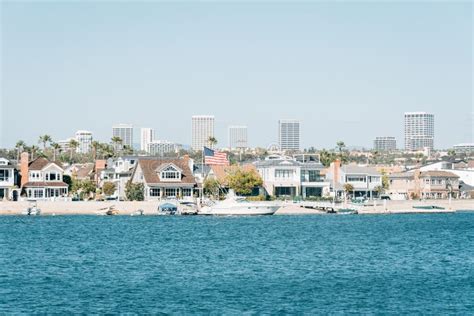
(385,143)
(125,132)
(202,129)
(147,136)
(237,137)
(161,147)
(289,135)
(84,138)
(464,148)
(419,130)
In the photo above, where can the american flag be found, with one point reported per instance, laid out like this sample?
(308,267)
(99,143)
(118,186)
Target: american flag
(214,157)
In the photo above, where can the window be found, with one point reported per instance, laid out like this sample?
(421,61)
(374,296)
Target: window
(35,193)
(4,174)
(374,179)
(170,173)
(283,173)
(187,192)
(155,192)
(171,191)
(355,179)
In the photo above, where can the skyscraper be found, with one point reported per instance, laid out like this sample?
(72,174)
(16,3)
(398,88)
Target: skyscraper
(289,134)
(419,130)
(147,136)
(385,143)
(237,137)
(202,129)
(125,132)
(84,138)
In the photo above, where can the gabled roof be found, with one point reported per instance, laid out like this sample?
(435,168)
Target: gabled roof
(438,173)
(149,168)
(40,163)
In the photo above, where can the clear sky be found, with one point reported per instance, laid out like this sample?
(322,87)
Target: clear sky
(348,71)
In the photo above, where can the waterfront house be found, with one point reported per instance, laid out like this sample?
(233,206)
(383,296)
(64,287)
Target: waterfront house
(165,178)
(365,181)
(289,177)
(7,179)
(423,184)
(41,178)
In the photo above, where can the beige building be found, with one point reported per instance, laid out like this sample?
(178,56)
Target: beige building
(428,185)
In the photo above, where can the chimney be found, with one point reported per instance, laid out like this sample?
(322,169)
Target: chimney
(24,161)
(337,169)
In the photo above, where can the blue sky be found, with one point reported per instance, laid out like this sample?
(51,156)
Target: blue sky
(348,71)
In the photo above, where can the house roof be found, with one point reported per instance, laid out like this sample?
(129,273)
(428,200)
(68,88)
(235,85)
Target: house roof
(40,163)
(149,168)
(438,173)
(84,170)
(45,184)
(354,169)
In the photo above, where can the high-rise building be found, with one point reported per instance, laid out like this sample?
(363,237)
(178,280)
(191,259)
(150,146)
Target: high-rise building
(385,143)
(147,136)
(202,130)
(289,134)
(237,137)
(84,138)
(161,147)
(125,132)
(419,130)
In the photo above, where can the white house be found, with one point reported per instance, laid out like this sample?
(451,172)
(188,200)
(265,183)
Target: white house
(41,178)
(165,178)
(285,176)
(465,175)
(364,180)
(7,178)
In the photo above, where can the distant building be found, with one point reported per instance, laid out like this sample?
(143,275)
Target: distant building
(161,147)
(237,137)
(64,144)
(84,138)
(419,130)
(125,132)
(289,135)
(202,129)
(385,143)
(147,135)
(464,148)
(7,178)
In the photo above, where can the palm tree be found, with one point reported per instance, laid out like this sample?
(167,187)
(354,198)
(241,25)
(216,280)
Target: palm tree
(20,145)
(348,188)
(73,144)
(117,141)
(212,141)
(34,149)
(45,139)
(55,147)
(95,146)
(340,146)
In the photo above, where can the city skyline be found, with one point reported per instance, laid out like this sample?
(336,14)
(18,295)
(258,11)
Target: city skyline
(327,66)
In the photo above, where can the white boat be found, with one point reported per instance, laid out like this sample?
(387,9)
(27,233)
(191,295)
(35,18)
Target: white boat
(234,205)
(32,210)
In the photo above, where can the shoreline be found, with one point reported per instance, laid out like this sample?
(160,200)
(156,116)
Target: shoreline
(288,208)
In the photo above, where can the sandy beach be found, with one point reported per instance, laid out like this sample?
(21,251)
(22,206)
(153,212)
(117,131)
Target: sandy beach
(288,208)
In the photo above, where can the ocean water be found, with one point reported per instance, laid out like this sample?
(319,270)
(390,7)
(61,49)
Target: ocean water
(416,264)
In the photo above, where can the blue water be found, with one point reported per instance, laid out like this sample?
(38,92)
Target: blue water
(275,264)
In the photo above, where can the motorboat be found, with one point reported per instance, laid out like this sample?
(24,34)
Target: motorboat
(175,207)
(111,210)
(33,210)
(234,205)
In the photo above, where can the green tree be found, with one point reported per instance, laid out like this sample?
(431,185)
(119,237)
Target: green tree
(135,191)
(45,139)
(95,147)
(109,188)
(68,180)
(33,150)
(20,145)
(118,144)
(348,188)
(243,182)
(73,144)
(56,147)
(212,141)
(326,157)
(385,180)
(211,187)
